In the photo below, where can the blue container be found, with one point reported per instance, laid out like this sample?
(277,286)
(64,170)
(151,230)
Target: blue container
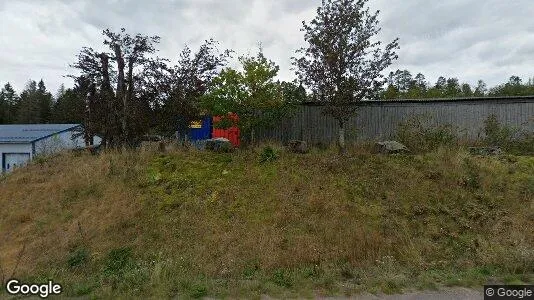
(200,130)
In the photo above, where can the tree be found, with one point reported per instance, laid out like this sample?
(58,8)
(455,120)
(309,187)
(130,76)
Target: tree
(452,88)
(113,91)
(481,89)
(252,93)
(45,101)
(69,107)
(9,103)
(401,85)
(293,92)
(466,90)
(186,83)
(342,63)
(514,87)
(29,109)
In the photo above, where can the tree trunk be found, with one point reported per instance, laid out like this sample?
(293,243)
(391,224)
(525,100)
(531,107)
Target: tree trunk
(107,109)
(128,97)
(121,94)
(341,139)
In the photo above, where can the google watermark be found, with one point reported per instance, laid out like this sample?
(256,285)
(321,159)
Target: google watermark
(512,292)
(16,288)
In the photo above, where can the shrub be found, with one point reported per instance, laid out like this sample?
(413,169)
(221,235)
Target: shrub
(118,260)
(198,291)
(282,278)
(472,178)
(78,257)
(508,138)
(496,134)
(419,136)
(268,154)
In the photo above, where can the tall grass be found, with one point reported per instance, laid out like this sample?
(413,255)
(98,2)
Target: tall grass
(193,224)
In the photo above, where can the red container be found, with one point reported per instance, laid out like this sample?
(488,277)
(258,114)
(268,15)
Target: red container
(232,133)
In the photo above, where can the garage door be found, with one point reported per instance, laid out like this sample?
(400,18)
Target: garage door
(12,161)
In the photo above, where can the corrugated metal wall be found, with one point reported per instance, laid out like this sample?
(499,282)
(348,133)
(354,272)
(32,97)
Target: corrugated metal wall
(376,120)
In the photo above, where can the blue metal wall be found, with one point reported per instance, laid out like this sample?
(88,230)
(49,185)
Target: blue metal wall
(200,130)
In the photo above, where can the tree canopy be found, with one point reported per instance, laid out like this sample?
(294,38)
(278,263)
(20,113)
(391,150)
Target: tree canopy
(253,93)
(343,61)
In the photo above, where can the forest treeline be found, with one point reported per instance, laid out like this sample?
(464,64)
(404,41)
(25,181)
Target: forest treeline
(36,104)
(401,84)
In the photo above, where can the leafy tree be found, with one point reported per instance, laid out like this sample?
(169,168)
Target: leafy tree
(420,82)
(514,87)
(252,93)
(402,80)
(401,85)
(391,92)
(467,91)
(481,89)
(186,83)
(452,88)
(343,63)
(293,93)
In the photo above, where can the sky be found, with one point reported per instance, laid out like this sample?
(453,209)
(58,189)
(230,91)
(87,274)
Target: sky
(468,39)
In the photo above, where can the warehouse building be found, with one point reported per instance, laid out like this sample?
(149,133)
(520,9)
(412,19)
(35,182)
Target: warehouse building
(19,144)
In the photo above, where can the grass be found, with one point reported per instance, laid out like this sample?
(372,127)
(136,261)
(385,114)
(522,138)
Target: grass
(195,224)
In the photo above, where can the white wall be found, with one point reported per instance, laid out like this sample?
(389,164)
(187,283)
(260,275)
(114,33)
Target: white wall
(58,142)
(14,148)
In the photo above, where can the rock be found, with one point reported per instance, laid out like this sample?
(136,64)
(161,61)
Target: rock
(486,151)
(298,147)
(391,147)
(219,145)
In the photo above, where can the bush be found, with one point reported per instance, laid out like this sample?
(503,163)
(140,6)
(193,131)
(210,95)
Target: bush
(78,257)
(419,136)
(118,260)
(508,138)
(496,134)
(268,154)
(282,278)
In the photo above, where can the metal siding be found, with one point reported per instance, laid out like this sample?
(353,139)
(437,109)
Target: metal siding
(14,148)
(380,120)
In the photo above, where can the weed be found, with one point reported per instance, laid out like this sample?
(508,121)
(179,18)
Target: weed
(268,154)
(508,138)
(282,277)
(198,290)
(419,135)
(472,178)
(79,257)
(117,260)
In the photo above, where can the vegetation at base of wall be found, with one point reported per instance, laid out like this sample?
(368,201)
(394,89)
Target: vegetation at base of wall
(510,139)
(419,135)
(194,224)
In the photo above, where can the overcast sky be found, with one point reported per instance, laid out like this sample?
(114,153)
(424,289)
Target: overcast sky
(468,39)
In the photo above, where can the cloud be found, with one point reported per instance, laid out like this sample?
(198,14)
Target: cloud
(468,39)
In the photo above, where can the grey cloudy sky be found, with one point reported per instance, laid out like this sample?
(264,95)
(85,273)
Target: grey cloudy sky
(468,39)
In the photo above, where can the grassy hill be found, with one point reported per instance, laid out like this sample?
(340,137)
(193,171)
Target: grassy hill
(194,224)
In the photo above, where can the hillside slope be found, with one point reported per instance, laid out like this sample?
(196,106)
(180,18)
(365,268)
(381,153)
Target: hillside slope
(195,224)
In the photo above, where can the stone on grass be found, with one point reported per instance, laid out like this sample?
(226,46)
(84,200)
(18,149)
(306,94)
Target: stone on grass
(298,147)
(219,145)
(391,147)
